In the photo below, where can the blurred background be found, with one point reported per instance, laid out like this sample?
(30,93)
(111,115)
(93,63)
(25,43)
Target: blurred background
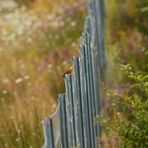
(37,41)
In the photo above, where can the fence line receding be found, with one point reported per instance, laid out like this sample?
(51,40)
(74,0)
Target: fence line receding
(73,125)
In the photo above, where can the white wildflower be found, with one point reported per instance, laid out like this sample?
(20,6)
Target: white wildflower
(73,23)
(18,80)
(26,77)
(17,139)
(50,66)
(5,91)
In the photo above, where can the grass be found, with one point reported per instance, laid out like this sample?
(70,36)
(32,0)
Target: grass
(36,46)
(37,43)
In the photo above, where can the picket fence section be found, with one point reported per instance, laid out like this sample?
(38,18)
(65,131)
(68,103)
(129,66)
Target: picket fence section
(73,125)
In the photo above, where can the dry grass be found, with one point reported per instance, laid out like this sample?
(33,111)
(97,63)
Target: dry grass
(35,48)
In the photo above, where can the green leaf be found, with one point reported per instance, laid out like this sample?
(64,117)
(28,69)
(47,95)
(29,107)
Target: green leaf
(144,9)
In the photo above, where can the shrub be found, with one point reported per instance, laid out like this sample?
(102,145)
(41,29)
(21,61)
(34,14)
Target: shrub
(129,117)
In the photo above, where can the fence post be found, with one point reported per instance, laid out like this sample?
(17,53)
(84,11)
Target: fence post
(80,102)
(63,121)
(48,133)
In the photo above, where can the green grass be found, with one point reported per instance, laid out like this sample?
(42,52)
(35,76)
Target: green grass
(126,44)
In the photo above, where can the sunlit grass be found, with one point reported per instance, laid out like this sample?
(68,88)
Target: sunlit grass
(24,99)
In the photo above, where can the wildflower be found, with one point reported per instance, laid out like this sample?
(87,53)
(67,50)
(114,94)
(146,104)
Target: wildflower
(73,23)
(5,91)
(18,80)
(17,139)
(26,77)
(50,66)
(73,44)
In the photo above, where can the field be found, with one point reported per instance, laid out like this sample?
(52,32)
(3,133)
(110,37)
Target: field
(37,41)
(36,46)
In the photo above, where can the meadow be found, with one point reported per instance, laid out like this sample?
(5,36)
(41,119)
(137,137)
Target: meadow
(37,41)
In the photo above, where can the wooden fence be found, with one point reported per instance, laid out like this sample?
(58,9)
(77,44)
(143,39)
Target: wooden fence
(73,125)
